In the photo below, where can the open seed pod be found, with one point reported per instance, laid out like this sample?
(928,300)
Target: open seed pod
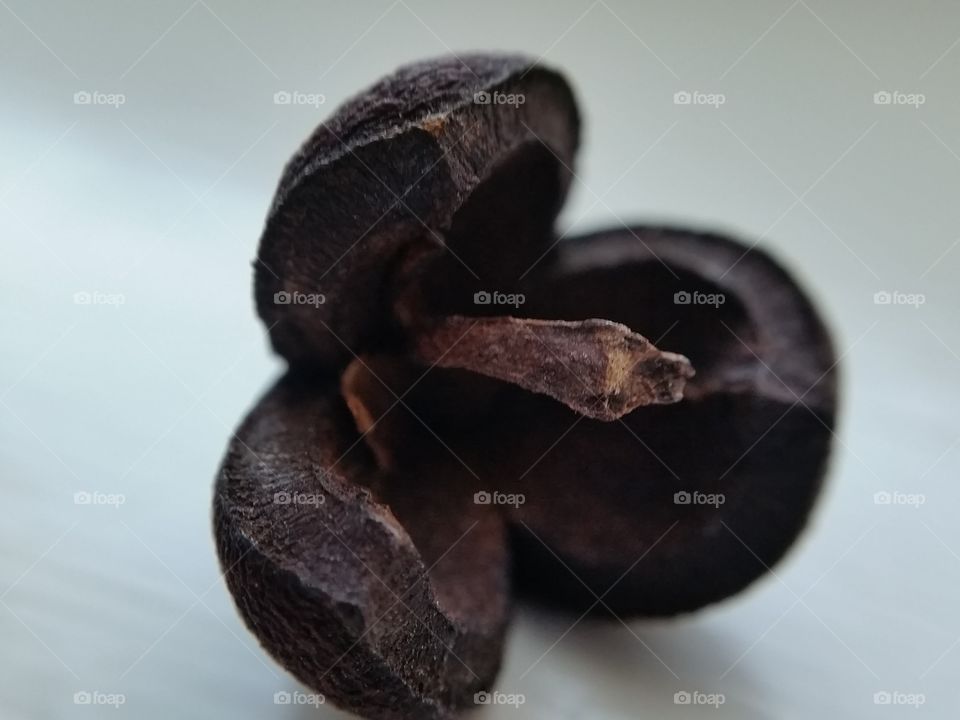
(474,409)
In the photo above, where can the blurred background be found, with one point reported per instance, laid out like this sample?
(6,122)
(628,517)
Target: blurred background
(141,144)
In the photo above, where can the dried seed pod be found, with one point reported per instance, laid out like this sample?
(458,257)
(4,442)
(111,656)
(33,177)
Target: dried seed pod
(398,169)
(453,438)
(689,502)
(392,610)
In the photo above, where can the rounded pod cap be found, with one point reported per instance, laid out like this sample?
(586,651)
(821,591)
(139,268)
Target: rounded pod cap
(388,174)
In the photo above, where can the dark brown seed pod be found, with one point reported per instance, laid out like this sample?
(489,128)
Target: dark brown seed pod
(709,492)
(389,175)
(347,573)
(453,438)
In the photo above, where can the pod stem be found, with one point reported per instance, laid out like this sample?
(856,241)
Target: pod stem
(599,368)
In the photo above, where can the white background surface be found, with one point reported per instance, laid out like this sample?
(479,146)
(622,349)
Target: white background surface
(161,201)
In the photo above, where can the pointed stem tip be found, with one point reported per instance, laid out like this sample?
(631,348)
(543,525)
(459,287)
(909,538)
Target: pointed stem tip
(599,368)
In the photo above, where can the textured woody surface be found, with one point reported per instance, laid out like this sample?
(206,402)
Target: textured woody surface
(394,611)
(386,174)
(598,504)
